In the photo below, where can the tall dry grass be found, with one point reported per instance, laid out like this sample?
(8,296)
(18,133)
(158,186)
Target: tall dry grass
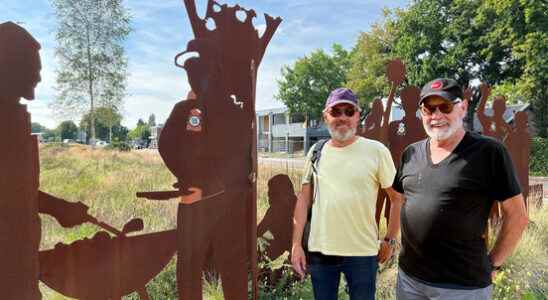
(107,181)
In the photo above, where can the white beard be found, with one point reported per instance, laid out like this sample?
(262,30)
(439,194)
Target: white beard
(341,135)
(439,134)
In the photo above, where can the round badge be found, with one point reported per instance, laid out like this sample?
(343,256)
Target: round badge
(194,121)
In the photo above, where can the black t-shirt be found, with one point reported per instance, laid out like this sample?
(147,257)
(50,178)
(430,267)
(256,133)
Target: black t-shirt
(446,209)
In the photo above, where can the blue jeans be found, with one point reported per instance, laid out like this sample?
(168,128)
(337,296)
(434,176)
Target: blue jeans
(360,273)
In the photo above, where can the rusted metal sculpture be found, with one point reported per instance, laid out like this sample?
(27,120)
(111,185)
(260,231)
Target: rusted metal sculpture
(20,198)
(208,143)
(278,220)
(518,142)
(377,125)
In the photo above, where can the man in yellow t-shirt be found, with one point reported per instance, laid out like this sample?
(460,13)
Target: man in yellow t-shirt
(343,233)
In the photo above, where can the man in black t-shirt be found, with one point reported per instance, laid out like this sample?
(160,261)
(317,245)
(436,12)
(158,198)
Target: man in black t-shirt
(450,181)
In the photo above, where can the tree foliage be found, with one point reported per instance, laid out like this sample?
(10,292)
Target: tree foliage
(304,87)
(67,130)
(501,42)
(93,66)
(107,125)
(367,73)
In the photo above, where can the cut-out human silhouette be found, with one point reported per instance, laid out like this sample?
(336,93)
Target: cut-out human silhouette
(20,198)
(278,220)
(518,142)
(207,143)
(494,126)
(377,124)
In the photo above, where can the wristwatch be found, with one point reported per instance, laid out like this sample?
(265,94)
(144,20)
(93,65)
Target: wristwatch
(493,267)
(391,242)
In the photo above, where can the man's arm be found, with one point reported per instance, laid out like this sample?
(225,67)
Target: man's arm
(68,214)
(396,202)
(300,214)
(514,223)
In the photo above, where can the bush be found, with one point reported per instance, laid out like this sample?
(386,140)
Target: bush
(120,146)
(538,161)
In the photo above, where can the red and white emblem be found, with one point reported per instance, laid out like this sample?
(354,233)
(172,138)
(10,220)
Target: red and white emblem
(436,85)
(194,122)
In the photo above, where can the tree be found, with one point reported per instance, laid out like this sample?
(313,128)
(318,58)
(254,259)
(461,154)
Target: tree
(151,120)
(141,132)
(498,42)
(367,74)
(93,66)
(107,125)
(37,127)
(304,87)
(67,130)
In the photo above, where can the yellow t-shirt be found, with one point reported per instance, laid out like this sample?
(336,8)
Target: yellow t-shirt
(343,212)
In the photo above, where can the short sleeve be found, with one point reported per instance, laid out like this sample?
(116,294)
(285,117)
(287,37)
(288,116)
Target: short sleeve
(504,183)
(398,179)
(386,169)
(307,171)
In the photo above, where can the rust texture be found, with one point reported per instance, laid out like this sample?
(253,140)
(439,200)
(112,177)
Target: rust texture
(208,144)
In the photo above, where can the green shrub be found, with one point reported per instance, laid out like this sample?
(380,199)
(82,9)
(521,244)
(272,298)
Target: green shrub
(538,161)
(120,146)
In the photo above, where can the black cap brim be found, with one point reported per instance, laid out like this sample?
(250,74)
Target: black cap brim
(445,95)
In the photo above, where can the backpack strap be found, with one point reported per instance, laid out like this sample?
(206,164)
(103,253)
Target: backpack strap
(316,155)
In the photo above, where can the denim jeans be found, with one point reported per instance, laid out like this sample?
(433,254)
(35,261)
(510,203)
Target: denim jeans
(360,273)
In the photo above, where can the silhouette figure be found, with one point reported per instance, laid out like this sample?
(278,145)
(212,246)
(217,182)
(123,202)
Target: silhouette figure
(208,144)
(518,144)
(377,125)
(493,126)
(20,198)
(278,220)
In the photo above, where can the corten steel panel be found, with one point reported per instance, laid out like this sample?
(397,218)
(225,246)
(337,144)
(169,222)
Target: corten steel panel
(516,139)
(80,270)
(278,221)
(208,143)
(19,222)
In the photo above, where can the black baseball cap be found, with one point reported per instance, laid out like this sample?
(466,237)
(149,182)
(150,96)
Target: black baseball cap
(448,89)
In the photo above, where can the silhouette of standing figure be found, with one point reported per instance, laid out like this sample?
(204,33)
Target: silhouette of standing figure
(395,73)
(207,143)
(518,143)
(20,199)
(373,122)
(493,126)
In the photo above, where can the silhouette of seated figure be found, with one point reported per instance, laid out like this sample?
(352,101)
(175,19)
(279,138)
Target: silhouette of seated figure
(278,220)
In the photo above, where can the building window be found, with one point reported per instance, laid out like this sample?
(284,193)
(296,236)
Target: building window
(278,119)
(296,118)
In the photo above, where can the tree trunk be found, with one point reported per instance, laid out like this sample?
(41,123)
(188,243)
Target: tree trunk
(90,82)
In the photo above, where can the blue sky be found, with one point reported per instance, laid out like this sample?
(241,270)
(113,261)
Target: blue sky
(161,30)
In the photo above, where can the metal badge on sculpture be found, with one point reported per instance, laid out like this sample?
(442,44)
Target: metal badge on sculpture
(194,120)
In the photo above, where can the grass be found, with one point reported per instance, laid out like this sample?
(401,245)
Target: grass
(107,180)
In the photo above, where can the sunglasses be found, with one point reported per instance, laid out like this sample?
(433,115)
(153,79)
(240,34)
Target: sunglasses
(337,112)
(445,107)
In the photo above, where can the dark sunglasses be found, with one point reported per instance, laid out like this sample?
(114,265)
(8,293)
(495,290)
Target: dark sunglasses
(337,112)
(445,107)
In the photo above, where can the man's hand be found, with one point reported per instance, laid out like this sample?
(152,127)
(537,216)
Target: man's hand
(385,252)
(298,260)
(74,214)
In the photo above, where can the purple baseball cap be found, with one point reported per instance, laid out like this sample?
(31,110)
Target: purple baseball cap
(341,95)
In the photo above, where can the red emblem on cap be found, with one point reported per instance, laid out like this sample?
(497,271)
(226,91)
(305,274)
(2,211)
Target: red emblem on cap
(436,85)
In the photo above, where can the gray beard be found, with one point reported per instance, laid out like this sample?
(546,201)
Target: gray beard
(341,136)
(445,134)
